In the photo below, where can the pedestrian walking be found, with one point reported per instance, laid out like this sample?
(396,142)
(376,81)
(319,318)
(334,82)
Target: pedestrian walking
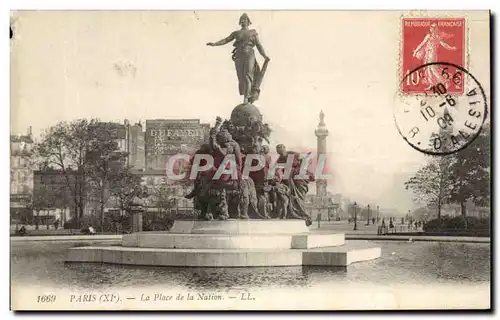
(384,231)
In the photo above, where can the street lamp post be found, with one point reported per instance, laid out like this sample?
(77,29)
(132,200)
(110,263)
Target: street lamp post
(408,220)
(368,215)
(378,216)
(355,217)
(101,184)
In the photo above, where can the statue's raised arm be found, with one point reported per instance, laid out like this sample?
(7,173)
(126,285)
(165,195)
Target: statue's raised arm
(247,68)
(223,41)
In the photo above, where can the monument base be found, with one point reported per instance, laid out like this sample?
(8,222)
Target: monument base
(230,243)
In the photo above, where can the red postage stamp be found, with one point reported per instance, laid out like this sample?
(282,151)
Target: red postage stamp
(427,41)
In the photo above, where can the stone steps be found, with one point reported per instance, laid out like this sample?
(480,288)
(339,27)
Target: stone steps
(232,226)
(329,256)
(230,243)
(237,241)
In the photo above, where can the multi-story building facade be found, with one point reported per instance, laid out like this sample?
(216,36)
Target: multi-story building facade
(135,146)
(166,137)
(21,176)
(52,196)
(325,205)
(130,140)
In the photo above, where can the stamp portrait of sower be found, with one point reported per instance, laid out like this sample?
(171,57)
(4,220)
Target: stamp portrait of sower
(427,50)
(427,41)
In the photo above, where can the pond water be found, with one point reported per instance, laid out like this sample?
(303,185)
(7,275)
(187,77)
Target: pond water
(401,263)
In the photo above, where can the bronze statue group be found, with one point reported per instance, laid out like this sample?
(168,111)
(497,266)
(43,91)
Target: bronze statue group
(260,195)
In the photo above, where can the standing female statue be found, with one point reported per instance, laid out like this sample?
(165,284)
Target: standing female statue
(247,68)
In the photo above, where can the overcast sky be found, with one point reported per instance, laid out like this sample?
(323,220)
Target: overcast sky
(152,65)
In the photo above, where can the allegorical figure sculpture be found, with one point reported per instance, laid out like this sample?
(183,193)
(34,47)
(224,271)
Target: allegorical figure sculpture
(297,187)
(223,197)
(247,68)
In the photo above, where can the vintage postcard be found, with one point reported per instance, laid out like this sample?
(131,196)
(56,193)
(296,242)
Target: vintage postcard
(258,160)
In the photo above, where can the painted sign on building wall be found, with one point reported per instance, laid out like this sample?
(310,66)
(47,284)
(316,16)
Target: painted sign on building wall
(166,137)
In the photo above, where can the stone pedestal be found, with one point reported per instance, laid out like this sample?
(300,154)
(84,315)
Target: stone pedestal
(236,227)
(137,222)
(230,243)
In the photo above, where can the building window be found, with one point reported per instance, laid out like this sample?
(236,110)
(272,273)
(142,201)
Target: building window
(151,189)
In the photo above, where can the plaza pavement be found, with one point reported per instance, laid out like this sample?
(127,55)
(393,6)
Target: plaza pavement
(364,232)
(369,232)
(104,237)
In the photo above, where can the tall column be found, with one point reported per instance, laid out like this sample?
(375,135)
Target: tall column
(321,134)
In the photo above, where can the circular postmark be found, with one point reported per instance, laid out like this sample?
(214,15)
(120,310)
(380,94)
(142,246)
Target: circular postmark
(438,121)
